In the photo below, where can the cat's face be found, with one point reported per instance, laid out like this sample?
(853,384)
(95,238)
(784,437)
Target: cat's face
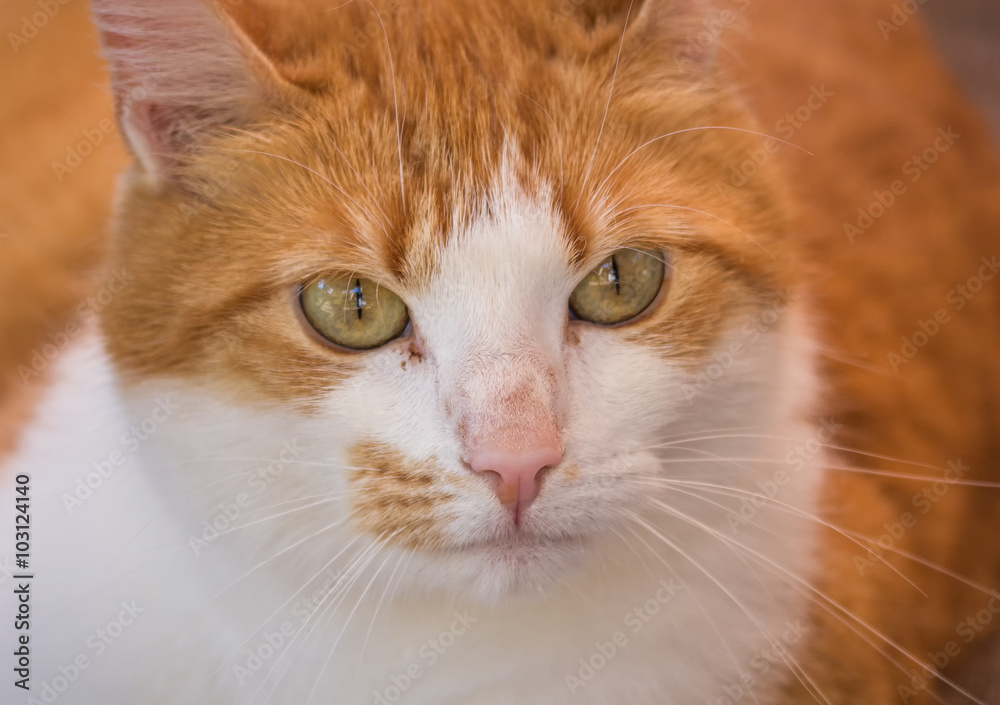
(478,181)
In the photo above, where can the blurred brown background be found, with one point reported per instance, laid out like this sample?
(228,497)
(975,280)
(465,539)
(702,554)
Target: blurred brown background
(54,244)
(968,33)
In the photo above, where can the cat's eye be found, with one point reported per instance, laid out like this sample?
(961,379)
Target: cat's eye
(353,312)
(619,288)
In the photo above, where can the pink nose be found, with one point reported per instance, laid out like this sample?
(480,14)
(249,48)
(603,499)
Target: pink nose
(517,465)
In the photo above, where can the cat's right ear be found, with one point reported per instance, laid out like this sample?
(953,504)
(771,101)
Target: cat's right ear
(181,69)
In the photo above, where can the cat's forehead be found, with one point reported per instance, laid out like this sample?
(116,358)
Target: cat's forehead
(422,108)
(477,157)
(512,226)
(513,254)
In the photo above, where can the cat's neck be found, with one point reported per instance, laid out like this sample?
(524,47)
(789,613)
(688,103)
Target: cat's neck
(647,588)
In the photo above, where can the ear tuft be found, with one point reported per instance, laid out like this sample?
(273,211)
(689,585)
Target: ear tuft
(179,68)
(689,29)
(695,28)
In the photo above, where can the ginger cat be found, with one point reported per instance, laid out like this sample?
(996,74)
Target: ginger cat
(462,352)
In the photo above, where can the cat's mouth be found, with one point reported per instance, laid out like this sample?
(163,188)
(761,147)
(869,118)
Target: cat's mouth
(514,563)
(524,543)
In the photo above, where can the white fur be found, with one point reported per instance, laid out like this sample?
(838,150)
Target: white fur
(499,295)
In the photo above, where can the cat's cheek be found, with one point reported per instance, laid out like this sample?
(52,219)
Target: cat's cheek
(620,393)
(243,482)
(414,503)
(392,400)
(405,483)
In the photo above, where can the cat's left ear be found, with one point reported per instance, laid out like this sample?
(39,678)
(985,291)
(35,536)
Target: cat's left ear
(689,30)
(181,69)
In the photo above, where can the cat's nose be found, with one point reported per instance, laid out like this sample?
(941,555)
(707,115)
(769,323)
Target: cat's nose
(518,465)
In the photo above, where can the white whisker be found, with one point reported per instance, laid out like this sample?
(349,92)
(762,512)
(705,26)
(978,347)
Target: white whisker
(695,129)
(283,605)
(790,661)
(833,603)
(380,543)
(607,106)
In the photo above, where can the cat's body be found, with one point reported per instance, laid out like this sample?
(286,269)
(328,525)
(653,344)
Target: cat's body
(625,612)
(207,401)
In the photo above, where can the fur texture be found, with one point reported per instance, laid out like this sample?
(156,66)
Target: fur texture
(269,518)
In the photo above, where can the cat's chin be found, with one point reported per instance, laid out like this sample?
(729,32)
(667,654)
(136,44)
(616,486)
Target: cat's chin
(511,567)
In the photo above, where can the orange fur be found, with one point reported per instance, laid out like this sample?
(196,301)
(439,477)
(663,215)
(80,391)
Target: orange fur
(218,292)
(890,99)
(51,231)
(338,139)
(395,497)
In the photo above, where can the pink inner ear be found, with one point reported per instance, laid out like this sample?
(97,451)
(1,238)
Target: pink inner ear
(178,68)
(157,132)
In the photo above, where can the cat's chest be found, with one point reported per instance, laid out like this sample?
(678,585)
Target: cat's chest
(187,603)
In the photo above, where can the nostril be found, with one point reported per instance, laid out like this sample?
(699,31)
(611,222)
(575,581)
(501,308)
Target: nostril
(517,472)
(508,492)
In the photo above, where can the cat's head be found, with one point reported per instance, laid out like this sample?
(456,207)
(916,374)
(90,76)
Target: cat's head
(470,260)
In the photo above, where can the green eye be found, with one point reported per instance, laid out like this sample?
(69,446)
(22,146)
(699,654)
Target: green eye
(353,311)
(619,288)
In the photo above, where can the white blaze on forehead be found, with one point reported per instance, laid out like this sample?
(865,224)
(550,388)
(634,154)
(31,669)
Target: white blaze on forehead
(503,278)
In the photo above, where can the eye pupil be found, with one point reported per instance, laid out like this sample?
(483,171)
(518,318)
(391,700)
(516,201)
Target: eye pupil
(336,307)
(359,298)
(615,275)
(637,275)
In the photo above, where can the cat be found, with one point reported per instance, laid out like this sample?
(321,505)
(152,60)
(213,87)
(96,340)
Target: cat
(432,366)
